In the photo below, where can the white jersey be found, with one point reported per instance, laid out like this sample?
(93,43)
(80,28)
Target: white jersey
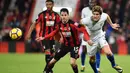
(96,33)
(96,28)
(86,12)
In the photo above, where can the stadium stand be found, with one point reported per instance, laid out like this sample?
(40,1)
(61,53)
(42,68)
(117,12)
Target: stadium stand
(16,13)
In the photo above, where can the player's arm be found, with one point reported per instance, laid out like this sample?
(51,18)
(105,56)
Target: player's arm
(83,30)
(49,35)
(86,35)
(37,28)
(115,25)
(30,30)
(39,25)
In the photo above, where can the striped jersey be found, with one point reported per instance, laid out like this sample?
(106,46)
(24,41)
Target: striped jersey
(69,32)
(48,22)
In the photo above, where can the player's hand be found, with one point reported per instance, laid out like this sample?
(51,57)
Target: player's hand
(90,42)
(115,26)
(39,38)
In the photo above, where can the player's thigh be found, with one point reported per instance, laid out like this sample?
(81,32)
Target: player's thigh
(57,45)
(91,51)
(49,44)
(104,45)
(61,52)
(107,50)
(74,52)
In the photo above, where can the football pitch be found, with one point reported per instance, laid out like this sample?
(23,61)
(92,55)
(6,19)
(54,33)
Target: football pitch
(34,63)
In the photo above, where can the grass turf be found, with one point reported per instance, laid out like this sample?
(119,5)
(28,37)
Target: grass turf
(34,63)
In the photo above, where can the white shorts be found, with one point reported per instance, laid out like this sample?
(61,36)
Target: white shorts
(82,40)
(99,42)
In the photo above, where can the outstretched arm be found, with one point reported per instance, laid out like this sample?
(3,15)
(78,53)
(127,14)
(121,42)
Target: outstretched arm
(30,30)
(81,28)
(49,35)
(115,25)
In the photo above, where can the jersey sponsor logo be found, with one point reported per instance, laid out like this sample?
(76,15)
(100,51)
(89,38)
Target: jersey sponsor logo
(49,23)
(65,29)
(66,34)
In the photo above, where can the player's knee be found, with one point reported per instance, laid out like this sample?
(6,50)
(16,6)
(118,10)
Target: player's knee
(92,59)
(73,62)
(109,53)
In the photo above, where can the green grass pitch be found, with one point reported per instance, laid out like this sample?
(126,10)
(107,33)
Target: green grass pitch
(34,63)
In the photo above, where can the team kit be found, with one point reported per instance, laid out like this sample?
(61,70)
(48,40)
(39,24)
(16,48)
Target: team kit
(52,27)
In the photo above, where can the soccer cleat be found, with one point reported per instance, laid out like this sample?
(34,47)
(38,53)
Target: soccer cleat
(82,69)
(118,69)
(99,71)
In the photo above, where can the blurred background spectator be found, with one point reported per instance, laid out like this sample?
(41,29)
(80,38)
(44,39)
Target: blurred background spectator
(13,13)
(16,13)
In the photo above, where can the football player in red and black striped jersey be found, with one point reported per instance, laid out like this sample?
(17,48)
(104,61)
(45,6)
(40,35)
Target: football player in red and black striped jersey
(70,39)
(48,20)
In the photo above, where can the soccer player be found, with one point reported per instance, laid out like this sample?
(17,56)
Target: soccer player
(87,12)
(97,35)
(45,24)
(70,42)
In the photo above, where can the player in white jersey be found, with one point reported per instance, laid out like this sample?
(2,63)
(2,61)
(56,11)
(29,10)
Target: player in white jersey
(97,35)
(87,12)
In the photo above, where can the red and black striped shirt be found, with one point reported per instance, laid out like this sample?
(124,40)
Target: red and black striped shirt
(69,32)
(48,22)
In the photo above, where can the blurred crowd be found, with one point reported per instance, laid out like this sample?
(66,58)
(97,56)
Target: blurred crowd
(119,11)
(13,13)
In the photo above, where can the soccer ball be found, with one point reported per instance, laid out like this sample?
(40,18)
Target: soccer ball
(15,33)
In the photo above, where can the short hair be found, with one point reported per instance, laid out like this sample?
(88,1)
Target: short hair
(97,9)
(50,1)
(64,10)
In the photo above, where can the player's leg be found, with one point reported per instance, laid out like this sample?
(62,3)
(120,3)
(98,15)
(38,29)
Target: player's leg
(74,65)
(58,55)
(98,58)
(106,48)
(74,55)
(83,57)
(92,62)
(110,57)
(92,52)
(50,65)
(48,52)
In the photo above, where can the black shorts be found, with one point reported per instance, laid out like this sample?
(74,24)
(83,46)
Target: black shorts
(48,44)
(64,50)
